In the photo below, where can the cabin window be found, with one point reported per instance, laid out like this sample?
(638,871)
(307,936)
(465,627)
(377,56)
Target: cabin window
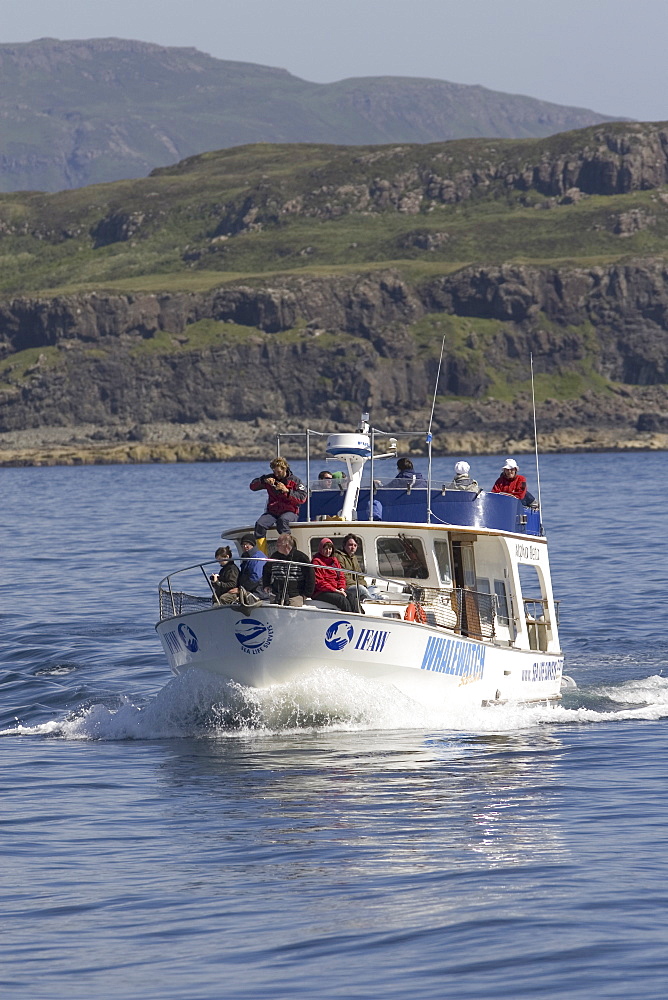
(485,601)
(338,547)
(535,606)
(530,583)
(401,556)
(502,613)
(442,553)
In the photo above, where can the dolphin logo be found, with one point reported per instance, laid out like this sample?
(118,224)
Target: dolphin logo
(253,634)
(188,638)
(339,635)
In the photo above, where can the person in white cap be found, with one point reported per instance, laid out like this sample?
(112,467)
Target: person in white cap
(462,480)
(510,480)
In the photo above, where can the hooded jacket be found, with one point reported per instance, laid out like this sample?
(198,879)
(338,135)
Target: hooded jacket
(278,502)
(328,579)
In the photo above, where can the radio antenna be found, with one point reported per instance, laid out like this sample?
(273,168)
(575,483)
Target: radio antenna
(535,432)
(433,402)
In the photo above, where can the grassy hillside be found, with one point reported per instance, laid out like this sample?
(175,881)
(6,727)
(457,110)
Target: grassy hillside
(83,112)
(261,210)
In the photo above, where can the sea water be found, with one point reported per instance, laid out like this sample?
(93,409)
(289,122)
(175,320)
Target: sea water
(184,838)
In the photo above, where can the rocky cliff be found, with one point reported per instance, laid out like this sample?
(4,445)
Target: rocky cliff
(296,284)
(608,160)
(223,370)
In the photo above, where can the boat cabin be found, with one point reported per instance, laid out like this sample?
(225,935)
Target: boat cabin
(478,581)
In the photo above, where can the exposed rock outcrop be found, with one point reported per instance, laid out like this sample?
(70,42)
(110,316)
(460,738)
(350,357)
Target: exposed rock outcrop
(328,348)
(607,160)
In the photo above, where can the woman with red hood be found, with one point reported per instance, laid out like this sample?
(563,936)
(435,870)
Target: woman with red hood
(330,581)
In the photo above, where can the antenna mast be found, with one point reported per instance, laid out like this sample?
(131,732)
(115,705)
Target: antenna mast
(433,402)
(535,433)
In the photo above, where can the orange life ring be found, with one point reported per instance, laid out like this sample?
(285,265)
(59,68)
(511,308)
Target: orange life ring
(415,613)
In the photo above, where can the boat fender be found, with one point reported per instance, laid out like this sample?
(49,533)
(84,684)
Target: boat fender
(415,613)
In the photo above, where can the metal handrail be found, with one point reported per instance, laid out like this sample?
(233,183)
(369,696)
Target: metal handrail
(457,609)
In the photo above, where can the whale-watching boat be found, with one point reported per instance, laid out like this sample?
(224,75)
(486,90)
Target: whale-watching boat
(460,604)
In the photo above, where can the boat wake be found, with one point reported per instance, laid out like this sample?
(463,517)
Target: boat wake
(198,705)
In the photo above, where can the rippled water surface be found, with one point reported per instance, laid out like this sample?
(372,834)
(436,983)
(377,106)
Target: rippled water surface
(176,838)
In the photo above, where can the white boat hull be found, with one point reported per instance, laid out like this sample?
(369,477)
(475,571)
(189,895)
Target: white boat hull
(273,645)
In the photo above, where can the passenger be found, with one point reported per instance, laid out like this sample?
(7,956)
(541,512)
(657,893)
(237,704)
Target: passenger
(252,564)
(325,480)
(511,482)
(462,480)
(350,565)
(286,493)
(226,581)
(330,583)
(376,510)
(288,574)
(406,475)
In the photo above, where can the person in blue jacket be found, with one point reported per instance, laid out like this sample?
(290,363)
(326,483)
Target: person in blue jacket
(406,475)
(252,564)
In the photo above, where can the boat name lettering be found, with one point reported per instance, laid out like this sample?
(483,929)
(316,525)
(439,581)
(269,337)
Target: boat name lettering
(450,656)
(525,551)
(181,638)
(371,639)
(252,635)
(341,633)
(544,670)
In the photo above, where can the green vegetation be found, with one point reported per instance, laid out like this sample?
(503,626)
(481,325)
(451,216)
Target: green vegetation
(471,342)
(261,214)
(197,336)
(21,365)
(258,211)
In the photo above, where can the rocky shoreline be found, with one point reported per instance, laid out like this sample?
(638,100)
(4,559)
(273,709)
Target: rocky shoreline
(185,443)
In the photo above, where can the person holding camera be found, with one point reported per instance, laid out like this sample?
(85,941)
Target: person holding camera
(285,494)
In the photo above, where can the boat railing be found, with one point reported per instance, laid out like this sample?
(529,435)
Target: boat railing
(465,612)
(189,594)
(174,602)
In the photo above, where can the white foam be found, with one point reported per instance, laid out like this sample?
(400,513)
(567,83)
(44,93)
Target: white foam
(200,705)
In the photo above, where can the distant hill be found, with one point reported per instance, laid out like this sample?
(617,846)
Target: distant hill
(83,112)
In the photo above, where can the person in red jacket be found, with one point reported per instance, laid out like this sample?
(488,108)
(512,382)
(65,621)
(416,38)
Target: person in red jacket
(330,582)
(510,480)
(286,493)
